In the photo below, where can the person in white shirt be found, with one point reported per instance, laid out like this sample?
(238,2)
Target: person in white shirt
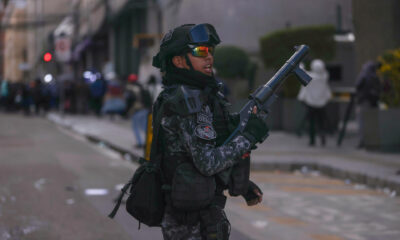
(315,96)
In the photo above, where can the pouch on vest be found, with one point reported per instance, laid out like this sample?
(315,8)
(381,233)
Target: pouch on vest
(191,191)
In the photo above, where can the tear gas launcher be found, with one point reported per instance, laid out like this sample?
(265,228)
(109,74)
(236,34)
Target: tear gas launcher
(265,95)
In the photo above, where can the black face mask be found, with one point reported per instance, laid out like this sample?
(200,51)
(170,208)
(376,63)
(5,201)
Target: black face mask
(189,77)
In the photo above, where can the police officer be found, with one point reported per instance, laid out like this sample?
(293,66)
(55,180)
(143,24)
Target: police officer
(191,123)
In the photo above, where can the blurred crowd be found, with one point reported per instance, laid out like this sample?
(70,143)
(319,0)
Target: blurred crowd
(129,98)
(92,94)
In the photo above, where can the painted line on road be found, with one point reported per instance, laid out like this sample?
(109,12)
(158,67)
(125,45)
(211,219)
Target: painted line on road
(96,191)
(325,237)
(288,221)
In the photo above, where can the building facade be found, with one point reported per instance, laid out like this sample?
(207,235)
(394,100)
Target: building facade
(377,28)
(15,45)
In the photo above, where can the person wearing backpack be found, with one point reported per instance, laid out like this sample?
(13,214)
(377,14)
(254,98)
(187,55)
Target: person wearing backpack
(97,89)
(191,112)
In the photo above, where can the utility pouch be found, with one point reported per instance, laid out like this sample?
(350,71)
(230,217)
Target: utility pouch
(146,198)
(239,179)
(191,191)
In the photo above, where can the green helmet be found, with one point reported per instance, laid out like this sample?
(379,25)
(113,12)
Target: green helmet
(178,39)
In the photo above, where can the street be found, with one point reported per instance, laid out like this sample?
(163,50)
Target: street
(57,185)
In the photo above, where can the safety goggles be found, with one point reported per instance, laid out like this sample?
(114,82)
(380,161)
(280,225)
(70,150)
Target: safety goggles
(204,33)
(201,51)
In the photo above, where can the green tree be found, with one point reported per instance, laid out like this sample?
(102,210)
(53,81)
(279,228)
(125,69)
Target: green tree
(231,62)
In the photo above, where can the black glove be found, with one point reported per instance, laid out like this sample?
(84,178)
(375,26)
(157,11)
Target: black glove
(251,196)
(256,130)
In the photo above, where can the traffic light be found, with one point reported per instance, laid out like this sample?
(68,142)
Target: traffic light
(47,57)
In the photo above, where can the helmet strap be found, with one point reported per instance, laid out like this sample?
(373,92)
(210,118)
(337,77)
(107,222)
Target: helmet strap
(188,62)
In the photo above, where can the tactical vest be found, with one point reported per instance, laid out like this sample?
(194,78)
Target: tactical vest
(179,170)
(237,177)
(189,189)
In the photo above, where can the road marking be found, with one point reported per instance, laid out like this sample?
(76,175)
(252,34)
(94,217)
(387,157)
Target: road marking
(260,224)
(96,191)
(288,221)
(325,237)
(330,191)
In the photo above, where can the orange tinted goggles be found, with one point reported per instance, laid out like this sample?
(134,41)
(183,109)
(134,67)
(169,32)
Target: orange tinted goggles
(202,51)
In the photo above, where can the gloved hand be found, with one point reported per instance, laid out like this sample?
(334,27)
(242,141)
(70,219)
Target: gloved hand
(254,194)
(256,130)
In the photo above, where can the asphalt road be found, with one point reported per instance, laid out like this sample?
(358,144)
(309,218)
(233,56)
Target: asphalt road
(56,185)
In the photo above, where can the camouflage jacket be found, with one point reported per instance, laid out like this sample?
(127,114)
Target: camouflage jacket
(193,135)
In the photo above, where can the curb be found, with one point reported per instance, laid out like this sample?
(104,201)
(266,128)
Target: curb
(126,154)
(327,170)
(354,177)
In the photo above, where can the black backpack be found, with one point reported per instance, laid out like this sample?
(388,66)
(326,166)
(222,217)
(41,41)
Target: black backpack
(146,198)
(146,201)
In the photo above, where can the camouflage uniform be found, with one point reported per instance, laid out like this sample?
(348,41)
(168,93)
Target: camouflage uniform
(195,136)
(190,128)
(173,229)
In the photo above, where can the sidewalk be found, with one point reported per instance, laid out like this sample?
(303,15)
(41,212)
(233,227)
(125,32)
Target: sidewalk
(281,151)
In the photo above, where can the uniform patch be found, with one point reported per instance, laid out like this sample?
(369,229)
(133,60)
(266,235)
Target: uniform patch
(205,131)
(205,116)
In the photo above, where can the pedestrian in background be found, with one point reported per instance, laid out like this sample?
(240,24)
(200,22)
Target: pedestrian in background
(69,96)
(38,98)
(3,93)
(139,109)
(315,96)
(154,87)
(368,89)
(114,102)
(11,97)
(26,98)
(54,91)
(97,91)
(82,97)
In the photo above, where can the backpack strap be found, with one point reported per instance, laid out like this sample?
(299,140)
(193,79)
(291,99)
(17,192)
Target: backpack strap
(119,199)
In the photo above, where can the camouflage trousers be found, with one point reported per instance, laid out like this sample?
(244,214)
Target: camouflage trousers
(172,229)
(210,224)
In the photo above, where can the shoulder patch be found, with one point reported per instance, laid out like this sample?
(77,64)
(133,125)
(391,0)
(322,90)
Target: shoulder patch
(205,131)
